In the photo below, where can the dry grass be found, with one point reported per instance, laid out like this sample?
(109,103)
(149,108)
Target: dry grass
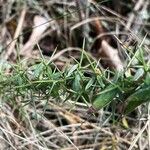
(114,36)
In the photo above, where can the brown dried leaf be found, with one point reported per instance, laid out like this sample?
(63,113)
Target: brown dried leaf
(40,25)
(111,54)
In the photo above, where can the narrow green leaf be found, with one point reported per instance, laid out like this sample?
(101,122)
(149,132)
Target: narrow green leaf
(106,97)
(139,97)
(76,84)
(89,84)
(38,69)
(71,70)
(138,74)
(147,79)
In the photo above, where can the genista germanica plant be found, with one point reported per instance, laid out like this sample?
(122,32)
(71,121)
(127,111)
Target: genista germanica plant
(98,88)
